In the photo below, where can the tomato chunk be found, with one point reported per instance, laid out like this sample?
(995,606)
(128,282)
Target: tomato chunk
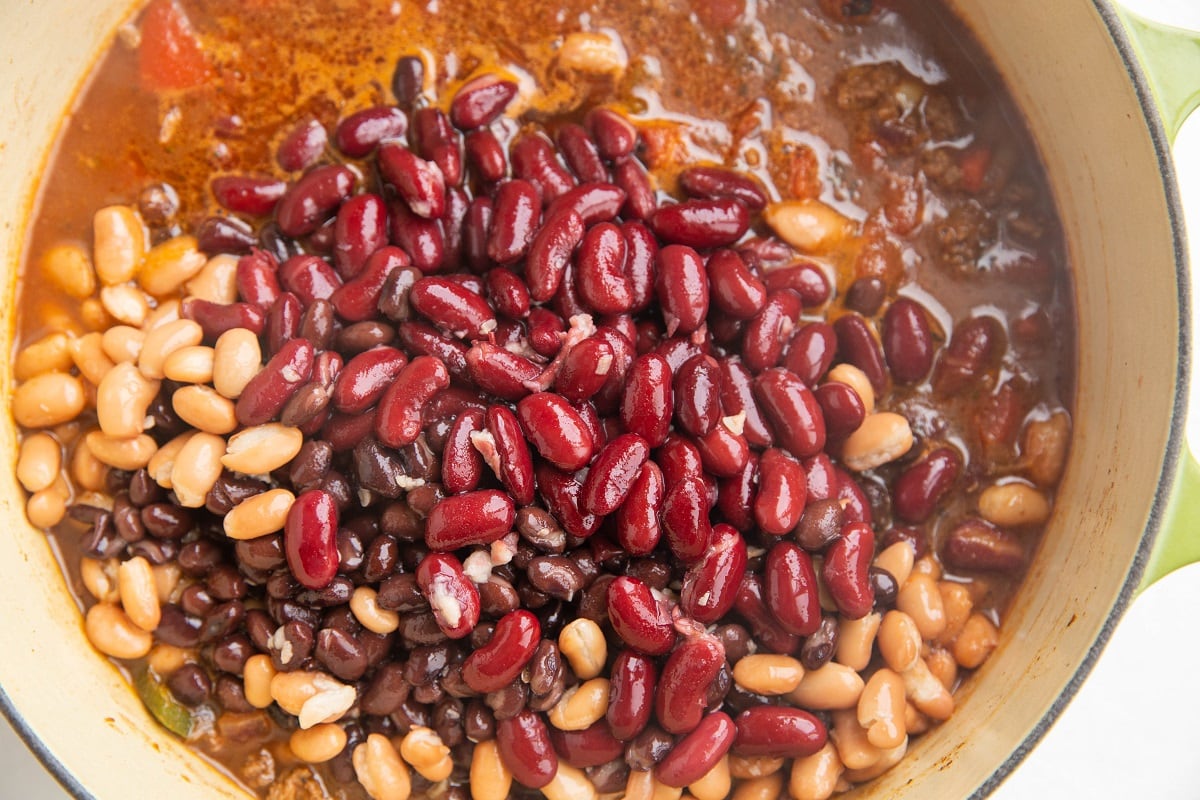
(170,56)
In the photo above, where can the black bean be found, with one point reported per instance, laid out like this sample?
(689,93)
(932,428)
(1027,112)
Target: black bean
(609,778)
(736,640)
(225,583)
(410,714)
(543,667)
(310,464)
(448,721)
(386,691)
(648,748)
(654,572)
(884,586)
(380,558)
(556,576)
(177,628)
(819,648)
(342,654)
(156,551)
(197,558)
(229,490)
(408,80)
(101,541)
(127,520)
(259,626)
(190,684)
(362,336)
(262,552)
(820,525)
(304,406)
(142,489)
(231,653)
(158,203)
(479,723)
(222,620)
(196,600)
(506,703)
(291,645)
(232,697)
(401,593)
(399,520)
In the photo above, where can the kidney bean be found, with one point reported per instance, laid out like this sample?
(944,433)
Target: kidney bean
(562,494)
(976,345)
(310,538)
(525,748)
(782,492)
(360,228)
(257,281)
(679,459)
(556,429)
(680,699)
(499,372)
(358,134)
(462,465)
(584,369)
(918,489)
(640,199)
(857,345)
(710,586)
(435,139)
(856,506)
(751,605)
(613,473)
(723,453)
(581,153)
(499,662)
(302,145)
(419,183)
(736,494)
(270,389)
(791,589)
(685,518)
(811,351)
(737,397)
(512,450)
(451,595)
(702,224)
(361,297)
(975,544)
(309,278)
(633,678)
(515,218)
(219,234)
(698,752)
(681,288)
(365,378)
(697,391)
(846,568)
(637,521)
(408,80)
(452,307)
(718,182)
(768,332)
(508,293)
(534,160)
(602,282)
(736,290)
(841,407)
(590,747)
(778,732)
(819,649)
(481,100)
(594,202)
(647,404)
(821,477)
(422,239)
(613,134)
(807,280)
(549,252)
(638,618)
(312,199)
(792,410)
(245,194)
(398,421)
(479,517)
(907,342)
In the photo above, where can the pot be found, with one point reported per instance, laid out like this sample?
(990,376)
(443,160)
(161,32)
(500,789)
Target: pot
(1129,492)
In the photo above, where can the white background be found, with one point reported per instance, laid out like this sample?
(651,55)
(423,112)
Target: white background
(1133,731)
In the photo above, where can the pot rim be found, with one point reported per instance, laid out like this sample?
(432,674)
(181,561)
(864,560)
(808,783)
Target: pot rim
(1166,484)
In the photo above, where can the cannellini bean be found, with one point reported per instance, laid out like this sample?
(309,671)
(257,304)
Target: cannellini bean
(259,515)
(162,463)
(112,632)
(122,343)
(854,749)
(139,595)
(857,380)
(380,770)
(424,751)
(68,267)
(39,462)
(51,353)
(237,357)
(768,674)
(118,243)
(881,709)
(160,342)
(99,579)
(808,225)
(204,409)
(189,365)
(87,353)
(46,508)
(898,560)
(319,743)
(926,692)
(1013,505)
(196,468)
(883,436)
(920,599)
(593,53)
(216,282)
(767,787)
(125,303)
(976,641)
(261,449)
(715,784)
(570,783)
(856,640)
(122,400)
(171,264)
(47,400)
(832,686)
(257,675)
(887,759)
(899,641)
(815,777)
(366,610)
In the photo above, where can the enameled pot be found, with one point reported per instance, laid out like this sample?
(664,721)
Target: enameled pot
(1128,494)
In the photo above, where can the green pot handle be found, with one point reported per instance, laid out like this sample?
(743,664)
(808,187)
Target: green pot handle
(1170,58)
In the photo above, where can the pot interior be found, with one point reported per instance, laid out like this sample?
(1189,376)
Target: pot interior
(1113,184)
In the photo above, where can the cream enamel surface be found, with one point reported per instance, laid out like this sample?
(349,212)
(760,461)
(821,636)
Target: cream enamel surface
(1084,112)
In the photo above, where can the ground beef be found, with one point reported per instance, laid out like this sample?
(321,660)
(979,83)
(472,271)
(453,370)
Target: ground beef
(299,784)
(964,234)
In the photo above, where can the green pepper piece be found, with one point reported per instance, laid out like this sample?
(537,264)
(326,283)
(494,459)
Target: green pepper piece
(158,700)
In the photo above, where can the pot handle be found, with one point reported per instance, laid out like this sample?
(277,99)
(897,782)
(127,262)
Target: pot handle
(1170,57)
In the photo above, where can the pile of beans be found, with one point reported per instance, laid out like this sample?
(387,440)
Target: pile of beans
(474,463)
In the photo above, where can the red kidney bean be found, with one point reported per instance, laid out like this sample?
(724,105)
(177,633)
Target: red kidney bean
(918,489)
(550,251)
(685,518)
(811,351)
(398,421)
(421,238)
(450,593)
(807,280)
(344,431)
(612,473)
(310,538)
(475,227)
(792,410)
(723,452)
(481,100)
(975,347)
(718,182)
(244,194)
(525,748)
(769,331)
(452,307)
(283,321)
(479,517)
(846,570)
(782,492)
(221,234)
(566,302)
(682,288)
(602,283)
(516,215)
(436,140)
(358,300)
(608,400)
(736,495)
(420,183)
(737,397)
(366,377)
(422,339)
(751,605)
(640,199)
(312,199)
(613,134)
(486,155)
(462,465)
(257,279)
(216,318)
(561,493)
(858,346)
(647,404)
(907,342)
(711,585)
(546,330)
(556,429)
(360,228)
(698,752)
(638,618)
(641,249)
(638,529)
(581,153)
(585,369)
(358,134)
(534,160)
(499,662)
(735,289)
(302,146)
(512,450)
(821,478)
(681,696)
(697,395)
(791,589)
(842,409)
(408,80)
(269,390)
(499,372)
(679,458)
(594,202)
(974,544)
(633,678)
(309,278)
(856,506)
(703,224)
(507,292)
(778,732)
(590,747)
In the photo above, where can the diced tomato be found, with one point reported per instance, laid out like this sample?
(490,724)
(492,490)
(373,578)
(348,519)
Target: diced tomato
(170,56)
(974,164)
